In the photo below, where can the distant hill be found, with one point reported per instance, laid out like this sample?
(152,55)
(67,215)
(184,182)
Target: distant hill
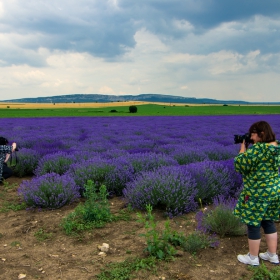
(87,98)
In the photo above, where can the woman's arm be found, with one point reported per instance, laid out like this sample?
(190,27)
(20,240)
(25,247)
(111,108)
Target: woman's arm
(246,159)
(7,157)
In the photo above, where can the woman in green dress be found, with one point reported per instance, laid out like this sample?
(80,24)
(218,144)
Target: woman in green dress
(259,202)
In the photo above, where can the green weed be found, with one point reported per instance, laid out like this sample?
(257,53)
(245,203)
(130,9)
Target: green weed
(124,270)
(123,215)
(42,235)
(95,212)
(15,244)
(9,203)
(197,241)
(261,272)
(161,244)
(158,244)
(7,206)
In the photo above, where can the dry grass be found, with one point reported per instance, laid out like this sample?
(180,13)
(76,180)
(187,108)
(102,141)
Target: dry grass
(11,105)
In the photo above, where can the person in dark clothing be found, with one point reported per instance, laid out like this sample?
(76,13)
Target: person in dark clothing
(5,151)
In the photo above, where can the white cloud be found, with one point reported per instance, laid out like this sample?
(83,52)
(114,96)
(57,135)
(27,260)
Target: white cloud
(106,90)
(1,9)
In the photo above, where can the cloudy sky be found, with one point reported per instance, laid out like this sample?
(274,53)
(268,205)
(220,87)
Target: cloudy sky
(221,49)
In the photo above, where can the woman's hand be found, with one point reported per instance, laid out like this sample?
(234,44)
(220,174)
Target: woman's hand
(14,146)
(243,147)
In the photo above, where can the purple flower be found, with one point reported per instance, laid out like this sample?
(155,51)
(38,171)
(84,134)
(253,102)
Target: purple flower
(170,188)
(58,163)
(49,191)
(214,178)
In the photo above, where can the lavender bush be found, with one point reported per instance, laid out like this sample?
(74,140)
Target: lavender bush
(220,218)
(121,173)
(94,169)
(149,161)
(27,161)
(48,146)
(218,152)
(171,188)
(213,178)
(58,163)
(185,154)
(49,191)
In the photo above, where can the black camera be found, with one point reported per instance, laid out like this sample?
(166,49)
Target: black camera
(239,138)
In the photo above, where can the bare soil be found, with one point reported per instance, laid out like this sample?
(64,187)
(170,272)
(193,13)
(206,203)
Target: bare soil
(24,254)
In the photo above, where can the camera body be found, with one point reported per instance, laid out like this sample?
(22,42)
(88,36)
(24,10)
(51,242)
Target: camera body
(239,138)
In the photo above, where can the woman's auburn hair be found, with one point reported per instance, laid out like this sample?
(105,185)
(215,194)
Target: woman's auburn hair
(264,131)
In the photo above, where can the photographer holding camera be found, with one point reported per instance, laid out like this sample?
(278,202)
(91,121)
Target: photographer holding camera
(259,202)
(5,151)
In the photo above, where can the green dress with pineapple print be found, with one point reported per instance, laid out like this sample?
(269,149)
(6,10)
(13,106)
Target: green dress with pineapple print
(260,197)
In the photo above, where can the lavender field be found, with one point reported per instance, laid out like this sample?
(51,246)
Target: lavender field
(169,162)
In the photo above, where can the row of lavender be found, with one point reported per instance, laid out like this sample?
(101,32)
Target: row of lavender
(166,161)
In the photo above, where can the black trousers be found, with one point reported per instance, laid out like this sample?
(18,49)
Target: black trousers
(7,171)
(254,232)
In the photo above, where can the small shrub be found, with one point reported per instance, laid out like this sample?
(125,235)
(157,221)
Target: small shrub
(113,111)
(150,161)
(186,155)
(26,163)
(94,169)
(47,146)
(214,178)
(119,176)
(58,163)
(49,191)
(220,219)
(171,188)
(95,212)
(132,109)
(216,151)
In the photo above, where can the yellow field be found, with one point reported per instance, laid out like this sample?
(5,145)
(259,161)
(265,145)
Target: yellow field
(11,105)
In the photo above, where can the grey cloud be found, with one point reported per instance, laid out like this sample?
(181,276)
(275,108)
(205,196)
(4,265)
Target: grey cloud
(205,14)
(107,31)
(93,29)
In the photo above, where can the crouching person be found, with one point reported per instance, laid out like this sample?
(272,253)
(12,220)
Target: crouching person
(5,151)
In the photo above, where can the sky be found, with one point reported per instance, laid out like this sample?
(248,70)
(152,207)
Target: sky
(220,49)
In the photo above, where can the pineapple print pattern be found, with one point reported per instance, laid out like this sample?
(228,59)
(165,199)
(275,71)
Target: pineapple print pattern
(260,197)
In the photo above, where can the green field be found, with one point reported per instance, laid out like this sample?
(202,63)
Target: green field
(143,110)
